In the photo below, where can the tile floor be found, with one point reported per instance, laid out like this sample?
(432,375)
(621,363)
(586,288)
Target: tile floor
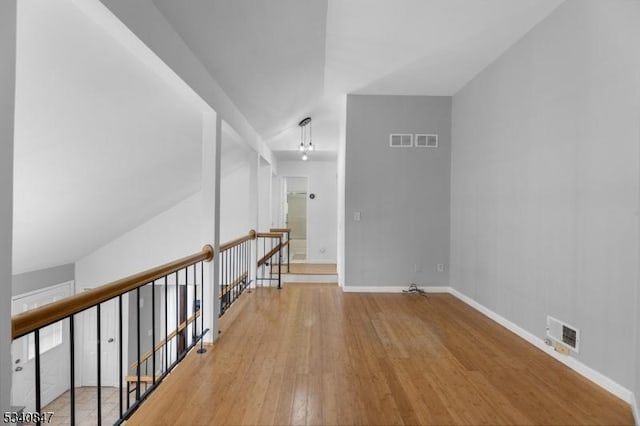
(86,407)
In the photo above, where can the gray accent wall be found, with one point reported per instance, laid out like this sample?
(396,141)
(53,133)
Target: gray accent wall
(402,194)
(544,182)
(637,388)
(7,94)
(42,278)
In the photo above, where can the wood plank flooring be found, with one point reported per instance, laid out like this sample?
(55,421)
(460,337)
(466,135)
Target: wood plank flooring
(309,354)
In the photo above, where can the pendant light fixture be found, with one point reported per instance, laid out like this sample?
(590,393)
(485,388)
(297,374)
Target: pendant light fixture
(306,146)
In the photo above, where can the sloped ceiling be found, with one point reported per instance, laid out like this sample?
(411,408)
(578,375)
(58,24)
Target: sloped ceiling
(282,60)
(102,143)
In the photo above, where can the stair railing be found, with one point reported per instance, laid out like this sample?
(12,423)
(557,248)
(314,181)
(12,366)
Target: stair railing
(286,234)
(269,249)
(235,269)
(185,274)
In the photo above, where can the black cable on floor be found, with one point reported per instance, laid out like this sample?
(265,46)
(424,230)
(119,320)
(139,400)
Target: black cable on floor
(413,288)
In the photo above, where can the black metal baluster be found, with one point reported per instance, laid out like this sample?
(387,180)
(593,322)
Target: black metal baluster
(247,251)
(153,330)
(166,325)
(226,279)
(186,309)
(177,318)
(99,353)
(279,255)
(202,349)
(72,375)
(194,327)
(138,343)
(120,366)
(222,294)
(227,262)
(36,338)
(243,264)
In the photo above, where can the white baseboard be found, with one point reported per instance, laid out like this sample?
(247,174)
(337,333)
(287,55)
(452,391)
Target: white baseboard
(390,289)
(582,369)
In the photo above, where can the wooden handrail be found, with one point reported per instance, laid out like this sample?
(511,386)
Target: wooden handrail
(34,319)
(280,230)
(163,342)
(269,235)
(226,246)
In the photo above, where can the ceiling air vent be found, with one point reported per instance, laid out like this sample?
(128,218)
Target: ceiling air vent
(563,333)
(427,141)
(401,140)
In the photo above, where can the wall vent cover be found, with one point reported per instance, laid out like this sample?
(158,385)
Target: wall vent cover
(427,140)
(563,333)
(401,140)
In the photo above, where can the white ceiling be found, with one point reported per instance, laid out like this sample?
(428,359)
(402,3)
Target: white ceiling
(282,60)
(102,143)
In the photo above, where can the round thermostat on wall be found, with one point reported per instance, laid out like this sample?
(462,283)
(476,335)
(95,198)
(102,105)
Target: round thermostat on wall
(312,195)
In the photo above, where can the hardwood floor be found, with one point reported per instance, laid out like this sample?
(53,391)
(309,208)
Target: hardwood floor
(310,354)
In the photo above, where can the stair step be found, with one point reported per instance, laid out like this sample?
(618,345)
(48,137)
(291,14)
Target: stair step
(310,278)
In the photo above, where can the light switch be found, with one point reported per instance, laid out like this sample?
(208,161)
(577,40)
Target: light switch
(356,216)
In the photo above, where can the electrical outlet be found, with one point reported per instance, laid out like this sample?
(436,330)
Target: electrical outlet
(440,267)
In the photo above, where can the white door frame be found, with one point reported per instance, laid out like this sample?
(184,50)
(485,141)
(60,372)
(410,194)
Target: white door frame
(56,356)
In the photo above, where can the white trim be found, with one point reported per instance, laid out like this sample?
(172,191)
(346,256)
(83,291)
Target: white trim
(588,372)
(390,289)
(582,369)
(635,409)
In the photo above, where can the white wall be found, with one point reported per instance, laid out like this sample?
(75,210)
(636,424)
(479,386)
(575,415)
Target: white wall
(545,181)
(7,93)
(264,196)
(341,163)
(173,234)
(402,194)
(235,215)
(322,227)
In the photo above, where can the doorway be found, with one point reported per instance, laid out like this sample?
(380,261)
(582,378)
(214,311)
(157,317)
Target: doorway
(296,217)
(54,351)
